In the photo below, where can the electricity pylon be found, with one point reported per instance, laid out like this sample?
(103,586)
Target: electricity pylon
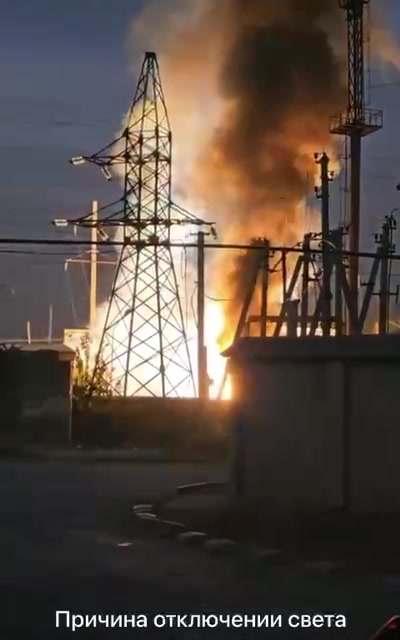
(143,349)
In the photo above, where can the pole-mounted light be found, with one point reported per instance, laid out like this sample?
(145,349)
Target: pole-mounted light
(60,222)
(77,161)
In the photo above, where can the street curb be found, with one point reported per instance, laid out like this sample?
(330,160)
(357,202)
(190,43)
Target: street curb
(26,454)
(146,516)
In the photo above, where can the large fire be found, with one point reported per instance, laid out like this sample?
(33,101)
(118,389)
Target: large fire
(215,323)
(215,342)
(250,86)
(248,110)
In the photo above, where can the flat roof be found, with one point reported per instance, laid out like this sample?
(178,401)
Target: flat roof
(375,347)
(58,347)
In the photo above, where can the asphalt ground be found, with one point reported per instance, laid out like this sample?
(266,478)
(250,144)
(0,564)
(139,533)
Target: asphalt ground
(68,542)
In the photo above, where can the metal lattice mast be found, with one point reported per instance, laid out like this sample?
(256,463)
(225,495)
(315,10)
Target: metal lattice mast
(356,123)
(143,350)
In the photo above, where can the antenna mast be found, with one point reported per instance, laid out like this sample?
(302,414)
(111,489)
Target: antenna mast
(356,123)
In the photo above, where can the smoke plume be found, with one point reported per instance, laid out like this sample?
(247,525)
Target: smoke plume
(251,86)
(267,76)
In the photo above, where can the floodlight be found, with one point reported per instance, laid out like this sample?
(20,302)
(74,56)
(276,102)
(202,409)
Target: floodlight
(60,223)
(78,160)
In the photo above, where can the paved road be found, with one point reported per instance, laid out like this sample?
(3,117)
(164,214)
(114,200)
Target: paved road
(66,544)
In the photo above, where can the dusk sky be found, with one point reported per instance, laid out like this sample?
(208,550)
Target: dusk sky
(66,83)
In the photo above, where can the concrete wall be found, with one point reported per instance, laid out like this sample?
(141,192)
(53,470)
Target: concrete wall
(375,437)
(292,458)
(153,422)
(319,433)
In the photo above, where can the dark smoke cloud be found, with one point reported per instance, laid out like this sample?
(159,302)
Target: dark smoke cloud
(282,75)
(277,70)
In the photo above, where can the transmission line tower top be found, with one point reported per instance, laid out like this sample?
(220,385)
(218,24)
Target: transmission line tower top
(355,123)
(357,119)
(141,159)
(148,105)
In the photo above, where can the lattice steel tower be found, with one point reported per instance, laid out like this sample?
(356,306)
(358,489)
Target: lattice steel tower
(356,123)
(143,350)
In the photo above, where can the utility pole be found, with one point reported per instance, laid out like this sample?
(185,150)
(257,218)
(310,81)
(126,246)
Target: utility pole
(264,291)
(337,241)
(384,281)
(93,267)
(356,123)
(94,262)
(323,195)
(203,387)
(381,266)
(305,285)
(386,250)
(50,335)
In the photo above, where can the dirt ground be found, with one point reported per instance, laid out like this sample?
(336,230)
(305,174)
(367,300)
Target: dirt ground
(364,541)
(67,542)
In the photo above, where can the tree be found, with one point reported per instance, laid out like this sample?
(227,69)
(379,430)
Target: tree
(84,384)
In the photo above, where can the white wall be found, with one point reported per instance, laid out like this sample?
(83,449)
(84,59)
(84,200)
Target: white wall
(375,441)
(294,415)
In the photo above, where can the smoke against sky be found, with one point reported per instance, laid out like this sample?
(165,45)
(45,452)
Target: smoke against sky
(78,86)
(251,87)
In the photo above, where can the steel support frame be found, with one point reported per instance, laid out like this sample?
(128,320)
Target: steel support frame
(143,349)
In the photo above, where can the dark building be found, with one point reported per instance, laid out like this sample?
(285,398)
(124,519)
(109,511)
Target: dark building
(36,392)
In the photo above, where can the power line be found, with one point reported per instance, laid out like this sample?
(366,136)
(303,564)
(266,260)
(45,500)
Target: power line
(67,124)
(179,245)
(19,252)
(219,299)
